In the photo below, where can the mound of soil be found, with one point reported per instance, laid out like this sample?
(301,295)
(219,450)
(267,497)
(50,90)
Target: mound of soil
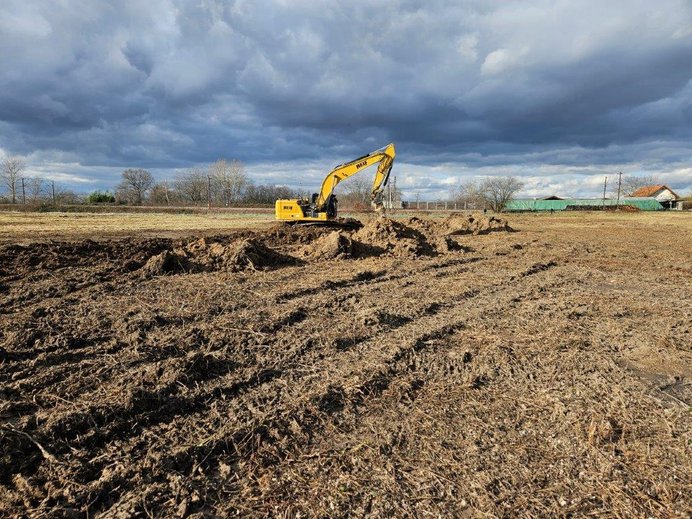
(393,238)
(457,224)
(251,254)
(337,244)
(204,256)
(284,234)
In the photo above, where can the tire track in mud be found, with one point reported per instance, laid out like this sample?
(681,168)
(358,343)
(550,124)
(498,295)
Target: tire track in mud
(135,419)
(368,277)
(290,320)
(340,365)
(391,367)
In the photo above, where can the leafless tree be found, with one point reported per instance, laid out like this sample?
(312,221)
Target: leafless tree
(67,196)
(162,194)
(497,191)
(468,195)
(630,183)
(267,194)
(357,191)
(11,174)
(134,185)
(35,188)
(191,186)
(229,181)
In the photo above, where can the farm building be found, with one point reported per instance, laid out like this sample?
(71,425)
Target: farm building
(663,194)
(584,204)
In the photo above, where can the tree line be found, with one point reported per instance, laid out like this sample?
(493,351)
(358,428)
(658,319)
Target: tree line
(224,183)
(221,184)
(16,187)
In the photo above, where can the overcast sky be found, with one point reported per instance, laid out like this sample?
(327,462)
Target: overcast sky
(559,93)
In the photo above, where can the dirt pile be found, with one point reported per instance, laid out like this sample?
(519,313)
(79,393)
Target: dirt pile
(335,245)
(251,254)
(459,224)
(284,235)
(276,247)
(421,237)
(383,236)
(204,255)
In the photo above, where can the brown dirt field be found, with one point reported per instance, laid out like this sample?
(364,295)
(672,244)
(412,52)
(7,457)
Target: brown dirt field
(411,368)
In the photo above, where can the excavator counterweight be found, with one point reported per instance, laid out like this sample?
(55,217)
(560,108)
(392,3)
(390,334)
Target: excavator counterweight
(322,207)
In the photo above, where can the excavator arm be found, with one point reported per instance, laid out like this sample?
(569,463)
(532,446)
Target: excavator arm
(322,206)
(383,156)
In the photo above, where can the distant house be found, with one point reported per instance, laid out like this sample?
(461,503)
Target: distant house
(553,197)
(663,194)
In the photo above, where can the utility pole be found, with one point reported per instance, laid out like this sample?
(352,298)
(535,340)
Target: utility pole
(208,193)
(617,204)
(23,192)
(52,188)
(389,195)
(605,185)
(394,190)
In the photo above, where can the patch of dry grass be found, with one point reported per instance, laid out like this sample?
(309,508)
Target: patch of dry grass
(21,227)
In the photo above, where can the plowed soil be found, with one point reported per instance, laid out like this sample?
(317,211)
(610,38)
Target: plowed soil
(458,367)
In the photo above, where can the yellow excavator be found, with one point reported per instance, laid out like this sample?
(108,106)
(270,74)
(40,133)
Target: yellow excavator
(322,207)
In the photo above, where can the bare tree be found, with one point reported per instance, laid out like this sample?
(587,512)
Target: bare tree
(161,193)
(67,196)
(35,188)
(134,185)
(357,191)
(468,195)
(630,183)
(191,186)
(267,194)
(229,181)
(497,191)
(11,174)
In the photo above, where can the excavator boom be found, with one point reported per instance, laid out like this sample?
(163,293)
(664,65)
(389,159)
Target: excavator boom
(322,206)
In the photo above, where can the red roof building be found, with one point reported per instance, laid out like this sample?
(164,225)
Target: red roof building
(663,194)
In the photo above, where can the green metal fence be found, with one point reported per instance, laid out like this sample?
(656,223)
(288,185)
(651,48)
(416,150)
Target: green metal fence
(643,204)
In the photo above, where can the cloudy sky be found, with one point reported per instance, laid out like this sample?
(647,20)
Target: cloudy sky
(557,92)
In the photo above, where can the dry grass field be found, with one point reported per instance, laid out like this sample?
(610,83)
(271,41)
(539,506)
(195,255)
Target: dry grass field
(23,227)
(192,366)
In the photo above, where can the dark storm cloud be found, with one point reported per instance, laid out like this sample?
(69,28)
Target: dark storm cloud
(167,84)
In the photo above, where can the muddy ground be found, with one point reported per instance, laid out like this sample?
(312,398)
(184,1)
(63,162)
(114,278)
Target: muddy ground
(460,368)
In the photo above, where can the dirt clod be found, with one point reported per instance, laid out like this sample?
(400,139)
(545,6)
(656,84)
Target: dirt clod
(166,263)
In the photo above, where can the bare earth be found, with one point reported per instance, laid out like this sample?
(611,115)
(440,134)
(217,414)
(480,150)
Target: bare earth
(412,368)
